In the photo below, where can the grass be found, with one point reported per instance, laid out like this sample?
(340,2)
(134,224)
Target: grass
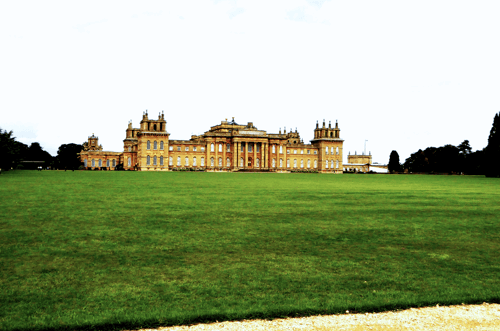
(116,250)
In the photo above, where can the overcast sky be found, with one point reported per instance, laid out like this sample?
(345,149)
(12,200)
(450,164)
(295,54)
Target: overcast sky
(403,75)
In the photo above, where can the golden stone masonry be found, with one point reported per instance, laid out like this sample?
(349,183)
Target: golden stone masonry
(225,147)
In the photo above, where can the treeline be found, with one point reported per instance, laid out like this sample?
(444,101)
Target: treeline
(16,155)
(454,159)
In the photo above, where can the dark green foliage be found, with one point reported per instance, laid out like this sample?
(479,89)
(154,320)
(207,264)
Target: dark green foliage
(394,165)
(492,151)
(10,150)
(68,156)
(125,250)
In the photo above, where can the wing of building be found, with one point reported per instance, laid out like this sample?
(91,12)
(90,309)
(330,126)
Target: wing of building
(228,146)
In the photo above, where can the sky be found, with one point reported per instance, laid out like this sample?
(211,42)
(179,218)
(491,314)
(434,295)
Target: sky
(396,75)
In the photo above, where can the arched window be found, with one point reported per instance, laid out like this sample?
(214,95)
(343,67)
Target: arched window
(186,161)
(241,162)
(194,161)
(331,164)
(274,149)
(212,161)
(295,163)
(228,148)
(148,160)
(129,161)
(288,163)
(257,164)
(100,163)
(258,147)
(337,151)
(211,147)
(326,150)
(155,160)
(155,145)
(302,163)
(178,161)
(326,164)
(274,163)
(281,149)
(220,159)
(161,145)
(281,163)
(148,145)
(228,162)
(85,163)
(202,161)
(308,164)
(250,145)
(129,149)
(337,164)
(220,148)
(170,161)
(331,150)
(315,164)
(161,160)
(107,163)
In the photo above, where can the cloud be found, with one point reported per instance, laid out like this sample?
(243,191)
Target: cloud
(235,12)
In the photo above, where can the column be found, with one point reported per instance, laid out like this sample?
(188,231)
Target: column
(285,156)
(255,155)
(224,147)
(235,154)
(266,155)
(245,160)
(216,159)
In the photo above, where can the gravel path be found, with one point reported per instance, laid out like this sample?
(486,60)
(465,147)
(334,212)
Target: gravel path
(463,317)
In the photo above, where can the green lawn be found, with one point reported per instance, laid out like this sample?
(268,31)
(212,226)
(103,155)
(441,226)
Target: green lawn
(115,250)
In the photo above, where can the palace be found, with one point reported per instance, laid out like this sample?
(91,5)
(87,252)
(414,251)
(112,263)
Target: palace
(225,147)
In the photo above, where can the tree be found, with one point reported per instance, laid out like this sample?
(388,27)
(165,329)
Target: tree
(492,151)
(10,150)
(394,165)
(68,156)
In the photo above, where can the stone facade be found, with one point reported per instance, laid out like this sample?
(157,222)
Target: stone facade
(228,146)
(93,157)
(358,163)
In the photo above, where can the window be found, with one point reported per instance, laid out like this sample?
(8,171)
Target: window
(257,163)
(281,149)
(308,164)
(315,152)
(100,163)
(274,149)
(315,164)
(258,148)
(274,163)
(202,161)
(301,151)
(161,145)
(326,164)
(242,148)
(170,161)
(294,151)
(288,163)
(288,151)
(129,161)
(337,152)
(186,161)
(186,149)
(295,163)
(220,148)
(155,145)
(326,150)
(212,161)
(148,160)
(178,148)
(85,163)
(228,162)
(331,150)
(337,164)
(228,148)
(194,148)
(220,159)
(114,163)
(170,148)
(148,145)
(155,160)
(241,162)
(249,148)
(212,147)
(281,163)
(129,149)
(194,161)
(203,149)
(107,163)
(161,160)
(178,161)
(331,164)
(308,152)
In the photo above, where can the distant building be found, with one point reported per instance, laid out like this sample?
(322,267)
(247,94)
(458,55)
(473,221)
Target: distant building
(228,146)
